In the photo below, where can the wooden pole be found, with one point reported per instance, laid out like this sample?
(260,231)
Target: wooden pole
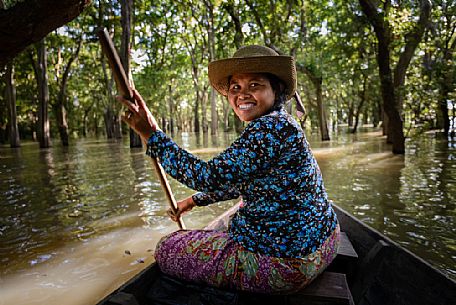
(125,90)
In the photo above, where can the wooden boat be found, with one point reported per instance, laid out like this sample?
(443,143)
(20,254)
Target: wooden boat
(369,269)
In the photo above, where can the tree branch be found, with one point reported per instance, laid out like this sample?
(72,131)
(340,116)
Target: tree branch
(259,22)
(238,36)
(29,21)
(412,39)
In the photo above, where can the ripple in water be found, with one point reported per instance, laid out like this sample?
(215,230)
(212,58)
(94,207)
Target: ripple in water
(61,201)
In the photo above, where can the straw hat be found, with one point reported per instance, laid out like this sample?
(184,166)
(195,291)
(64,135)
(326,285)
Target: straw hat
(253,59)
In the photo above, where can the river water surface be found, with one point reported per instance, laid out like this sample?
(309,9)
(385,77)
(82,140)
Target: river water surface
(77,222)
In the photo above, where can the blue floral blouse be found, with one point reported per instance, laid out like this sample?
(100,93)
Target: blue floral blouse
(285,211)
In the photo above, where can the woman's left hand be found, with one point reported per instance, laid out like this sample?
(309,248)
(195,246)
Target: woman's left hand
(138,116)
(182,206)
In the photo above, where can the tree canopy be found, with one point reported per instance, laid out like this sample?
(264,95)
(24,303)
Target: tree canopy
(359,62)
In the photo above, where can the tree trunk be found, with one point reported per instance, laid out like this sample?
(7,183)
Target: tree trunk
(3,124)
(443,107)
(111,118)
(317,82)
(385,127)
(412,39)
(30,21)
(350,113)
(163,123)
(226,117)
(196,125)
(391,87)
(112,124)
(60,108)
(204,111)
(125,46)
(322,120)
(376,113)
(446,69)
(214,116)
(362,97)
(394,126)
(109,125)
(11,102)
(62,122)
(446,87)
(85,122)
(171,109)
(453,131)
(365,115)
(211,48)
(44,133)
(238,42)
(195,72)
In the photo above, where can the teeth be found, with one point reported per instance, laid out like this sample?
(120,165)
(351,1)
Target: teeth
(245,106)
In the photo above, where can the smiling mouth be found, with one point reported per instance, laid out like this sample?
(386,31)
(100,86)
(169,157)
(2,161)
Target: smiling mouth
(246,106)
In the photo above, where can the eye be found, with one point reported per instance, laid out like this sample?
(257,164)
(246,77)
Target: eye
(234,87)
(255,85)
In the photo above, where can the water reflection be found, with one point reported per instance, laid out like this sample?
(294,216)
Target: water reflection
(409,198)
(71,213)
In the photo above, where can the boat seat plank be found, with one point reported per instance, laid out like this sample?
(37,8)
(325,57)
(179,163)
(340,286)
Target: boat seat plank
(328,288)
(346,247)
(346,258)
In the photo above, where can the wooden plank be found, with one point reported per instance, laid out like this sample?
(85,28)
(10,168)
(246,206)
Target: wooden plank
(346,247)
(327,288)
(368,269)
(346,259)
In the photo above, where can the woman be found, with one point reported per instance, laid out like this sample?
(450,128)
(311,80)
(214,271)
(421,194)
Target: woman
(285,233)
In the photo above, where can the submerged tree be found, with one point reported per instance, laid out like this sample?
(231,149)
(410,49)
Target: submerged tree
(393,79)
(41,76)
(10,94)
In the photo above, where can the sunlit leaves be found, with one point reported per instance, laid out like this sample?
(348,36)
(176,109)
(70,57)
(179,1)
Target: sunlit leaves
(331,38)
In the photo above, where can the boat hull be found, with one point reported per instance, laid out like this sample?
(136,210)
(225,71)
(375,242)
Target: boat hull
(383,273)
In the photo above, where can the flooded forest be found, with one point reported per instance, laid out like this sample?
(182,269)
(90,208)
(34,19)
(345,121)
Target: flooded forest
(81,208)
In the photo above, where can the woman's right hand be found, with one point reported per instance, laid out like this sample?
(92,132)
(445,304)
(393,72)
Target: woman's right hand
(138,116)
(182,206)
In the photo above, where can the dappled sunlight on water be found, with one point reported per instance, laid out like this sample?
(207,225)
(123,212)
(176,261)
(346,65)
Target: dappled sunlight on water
(409,198)
(68,215)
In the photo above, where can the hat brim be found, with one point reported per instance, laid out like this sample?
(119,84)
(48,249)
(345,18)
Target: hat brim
(281,66)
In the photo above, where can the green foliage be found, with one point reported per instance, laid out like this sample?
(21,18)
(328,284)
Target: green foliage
(171,51)
(10,3)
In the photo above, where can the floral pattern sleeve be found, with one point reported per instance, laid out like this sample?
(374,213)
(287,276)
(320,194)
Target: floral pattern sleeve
(250,154)
(285,210)
(202,199)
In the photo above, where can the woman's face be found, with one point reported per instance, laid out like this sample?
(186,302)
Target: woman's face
(250,95)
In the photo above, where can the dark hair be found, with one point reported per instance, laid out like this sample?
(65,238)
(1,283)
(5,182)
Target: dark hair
(279,88)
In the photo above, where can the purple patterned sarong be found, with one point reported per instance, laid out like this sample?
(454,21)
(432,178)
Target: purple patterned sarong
(211,257)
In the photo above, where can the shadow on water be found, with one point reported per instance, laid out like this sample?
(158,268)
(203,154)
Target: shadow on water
(68,215)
